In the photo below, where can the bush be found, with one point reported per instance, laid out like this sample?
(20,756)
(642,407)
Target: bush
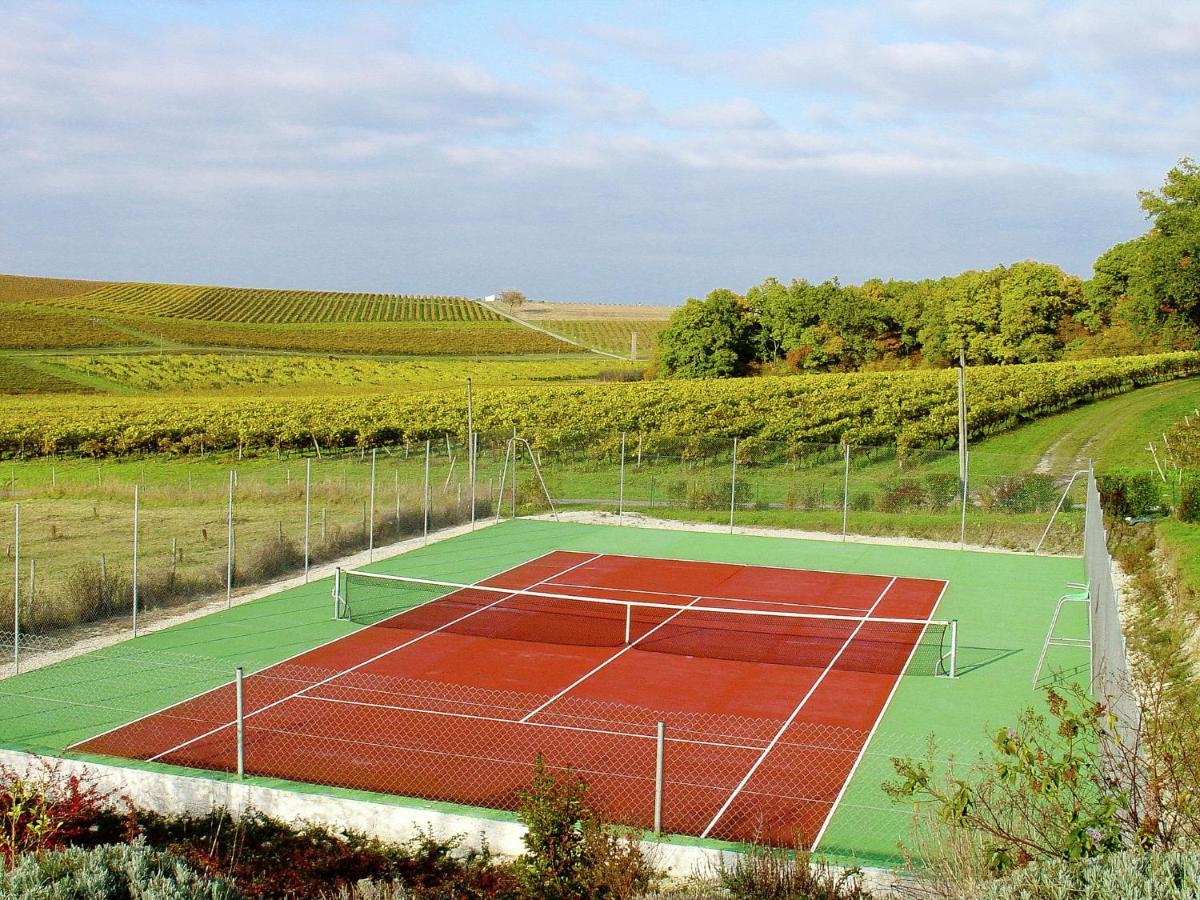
(1020,493)
(763,872)
(1131,876)
(1129,493)
(114,872)
(903,494)
(941,490)
(570,853)
(47,811)
(1188,509)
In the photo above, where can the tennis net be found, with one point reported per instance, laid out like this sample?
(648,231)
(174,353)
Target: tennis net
(707,627)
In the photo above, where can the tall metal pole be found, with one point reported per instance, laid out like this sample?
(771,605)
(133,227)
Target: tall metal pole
(136,505)
(474,457)
(514,472)
(17,588)
(471,448)
(229,545)
(371,527)
(307,512)
(845,490)
(963,462)
(425,493)
(241,722)
(621,489)
(659,748)
(733,487)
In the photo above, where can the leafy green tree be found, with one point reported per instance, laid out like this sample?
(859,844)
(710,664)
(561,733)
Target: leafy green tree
(1034,297)
(713,338)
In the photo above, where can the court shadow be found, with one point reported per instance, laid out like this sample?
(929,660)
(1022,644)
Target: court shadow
(1062,677)
(971,659)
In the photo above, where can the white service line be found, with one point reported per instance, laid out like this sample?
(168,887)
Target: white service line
(581,679)
(795,712)
(850,609)
(365,662)
(862,751)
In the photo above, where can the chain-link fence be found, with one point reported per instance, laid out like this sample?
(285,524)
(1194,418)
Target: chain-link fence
(1111,679)
(658,770)
(212,527)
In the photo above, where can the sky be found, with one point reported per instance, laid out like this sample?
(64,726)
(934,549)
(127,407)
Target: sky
(607,151)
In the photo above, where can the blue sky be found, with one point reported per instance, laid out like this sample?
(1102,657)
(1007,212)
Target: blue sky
(621,151)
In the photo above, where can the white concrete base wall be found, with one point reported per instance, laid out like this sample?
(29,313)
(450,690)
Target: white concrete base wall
(176,794)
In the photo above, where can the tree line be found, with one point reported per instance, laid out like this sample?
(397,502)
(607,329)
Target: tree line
(1144,296)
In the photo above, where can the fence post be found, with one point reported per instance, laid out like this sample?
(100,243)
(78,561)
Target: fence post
(371,529)
(425,495)
(307,512)
(966,497)
(658,776)
(473,456)
(229,545)
(733,487)
(514,472)
(136,505)
(845,489)
(241,724)
(471,448)
(621,489)
(17,588)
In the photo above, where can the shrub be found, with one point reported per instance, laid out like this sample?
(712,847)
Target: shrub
(1188,509)
(863,501)
(114,872)
(1020,493)
(47,811)
(941,489)
(764,872)
(903,494)
(620,375)
(1129,493)
(1131,876)
(570,853)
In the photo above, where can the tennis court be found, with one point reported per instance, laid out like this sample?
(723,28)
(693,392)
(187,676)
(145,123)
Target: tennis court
(706,698)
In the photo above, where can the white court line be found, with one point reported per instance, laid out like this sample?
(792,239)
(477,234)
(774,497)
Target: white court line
(795,712)
(593,587)
(225,684)
(862,751)
(554,725)
(613,658)
(360,665)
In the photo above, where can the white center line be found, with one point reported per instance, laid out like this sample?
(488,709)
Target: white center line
(365,662)
(580,680)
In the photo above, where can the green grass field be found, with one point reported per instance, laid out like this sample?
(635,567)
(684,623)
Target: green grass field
(1002,602)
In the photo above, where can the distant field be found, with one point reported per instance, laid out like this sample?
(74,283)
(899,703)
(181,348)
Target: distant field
(18,377)
(34,326)
(613,335)
(19,288)
(250,305)
(210,371)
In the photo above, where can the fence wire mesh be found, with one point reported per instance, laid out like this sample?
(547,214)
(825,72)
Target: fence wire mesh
(1111,678)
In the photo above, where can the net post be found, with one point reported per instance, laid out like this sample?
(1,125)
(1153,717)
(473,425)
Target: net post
(241,723)
(659,747)
(954,648)
(136,504)
(337,591)
(628,621)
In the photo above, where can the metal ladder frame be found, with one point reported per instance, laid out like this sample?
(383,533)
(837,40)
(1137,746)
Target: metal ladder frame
(1081,594)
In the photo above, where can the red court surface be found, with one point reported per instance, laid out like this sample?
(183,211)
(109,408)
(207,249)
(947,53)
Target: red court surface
(452,700)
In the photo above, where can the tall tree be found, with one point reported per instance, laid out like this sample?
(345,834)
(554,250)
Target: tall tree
(713,338)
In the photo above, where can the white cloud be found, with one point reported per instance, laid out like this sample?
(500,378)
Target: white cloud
(739,114)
